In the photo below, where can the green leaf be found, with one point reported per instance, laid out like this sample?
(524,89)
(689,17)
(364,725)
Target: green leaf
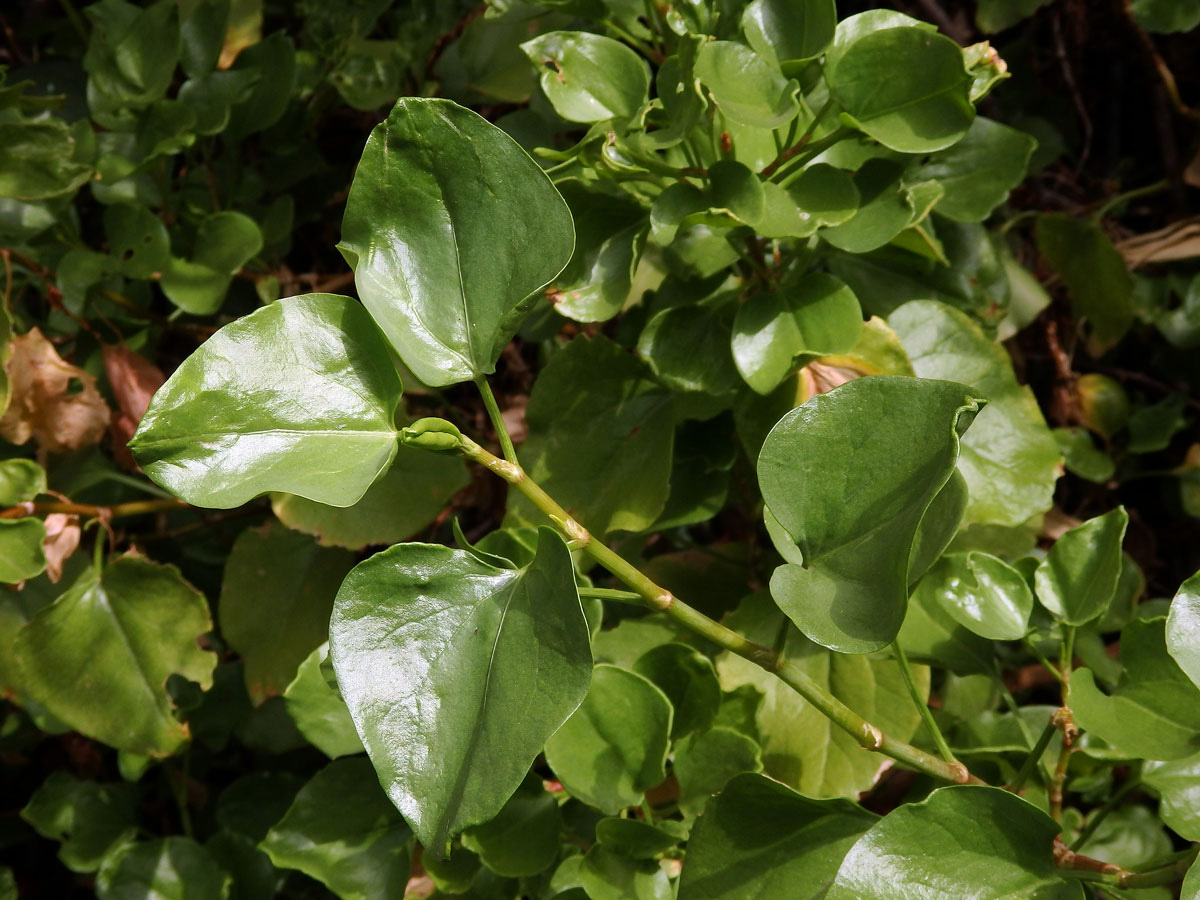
(451,230)
(276,597)
(788,31)
(1191,884)
(298,396)
(1009,458)
(639,840)
(744,86)
(408,498)
(978,172)
(882,210)
(614,748)
(601,432)
(610,233)
(130,58)
(963,843)
(928,109)
(202,33)
(773,331)
(998,15)
(1166,16)
(318,709)
(173,868)
(86,817)
(931,635)
(1129,836)
(848,476)
(342,831)
(38,160)
(137,238)
(705,762)
(761,839)
(1183,628)
(982,593)
(689,348)
(1178,785)
(1154,711)
(688,679)
(1097,279)
(610,876)
(225,241)
(273,61)
(800,746)
(523,839)
(438,655)
(100,656)
(1078,578)
(588,77)
(1082,457)
(21,553)
(824,197)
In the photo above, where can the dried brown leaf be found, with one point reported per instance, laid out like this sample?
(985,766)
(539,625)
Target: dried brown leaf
(133,380)
(62,539)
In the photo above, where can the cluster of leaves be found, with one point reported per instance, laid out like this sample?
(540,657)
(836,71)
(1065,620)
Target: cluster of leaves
(779,557)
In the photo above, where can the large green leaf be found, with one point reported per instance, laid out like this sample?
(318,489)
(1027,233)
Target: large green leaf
(1009,457)
(801,746)
(775,330)
(1183,628)
(87,817)
(744,86)
(787,31)
(1178,785)
(601,432)
(589,77)
(173,868)
(848,477)
(342,831)
(963,843)
(100,656)
(298,397)
(927,109)
(978,172)
(1078,578)
(451,230)
(614,748)
(439,656)
(982,593)
(1154,711)
(318,709)
(276,597)
(760,839)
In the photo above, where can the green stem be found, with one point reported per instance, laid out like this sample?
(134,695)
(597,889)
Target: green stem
(74,18)
(1102,813)
(493,409)
(1042,658)
(795,147)
(610,594)
(1085,869)
(922,707)
(1104,210)
(815,149)
(661,600)
(1034,757)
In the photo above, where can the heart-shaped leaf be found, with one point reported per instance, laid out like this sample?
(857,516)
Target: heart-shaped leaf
(298,397)
(440,656)
(451,229)
(848,476)
(982,593)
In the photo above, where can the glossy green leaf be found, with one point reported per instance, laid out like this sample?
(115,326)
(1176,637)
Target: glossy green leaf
(438,654)
(800,746)
(451,230)
(982,593)
(931,635)
(978,172)
(1178,785)
(318,709)
(606,875)
(689,348)
(225,241)
(1154,711)
(760,839)
(848,476)
(523,839)
(882,210)
(1078,578)
(600,438)
(1191,884)
(100,656)
(589,77)
(1009,458)
(273,61)
(614,748)
(609,235)
(21,553)
(938,526)
(637,839)
(342,831)
(1095,274)
(963,843)
(298,396)
(928,109)
(410,496)
(773,331)
(173,868)
(276,597)
(688,679)
(202,33)
(744,86)
(706,761)
(824,197)
(1183,628)
(786,31)
(38,160)
(88,818)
